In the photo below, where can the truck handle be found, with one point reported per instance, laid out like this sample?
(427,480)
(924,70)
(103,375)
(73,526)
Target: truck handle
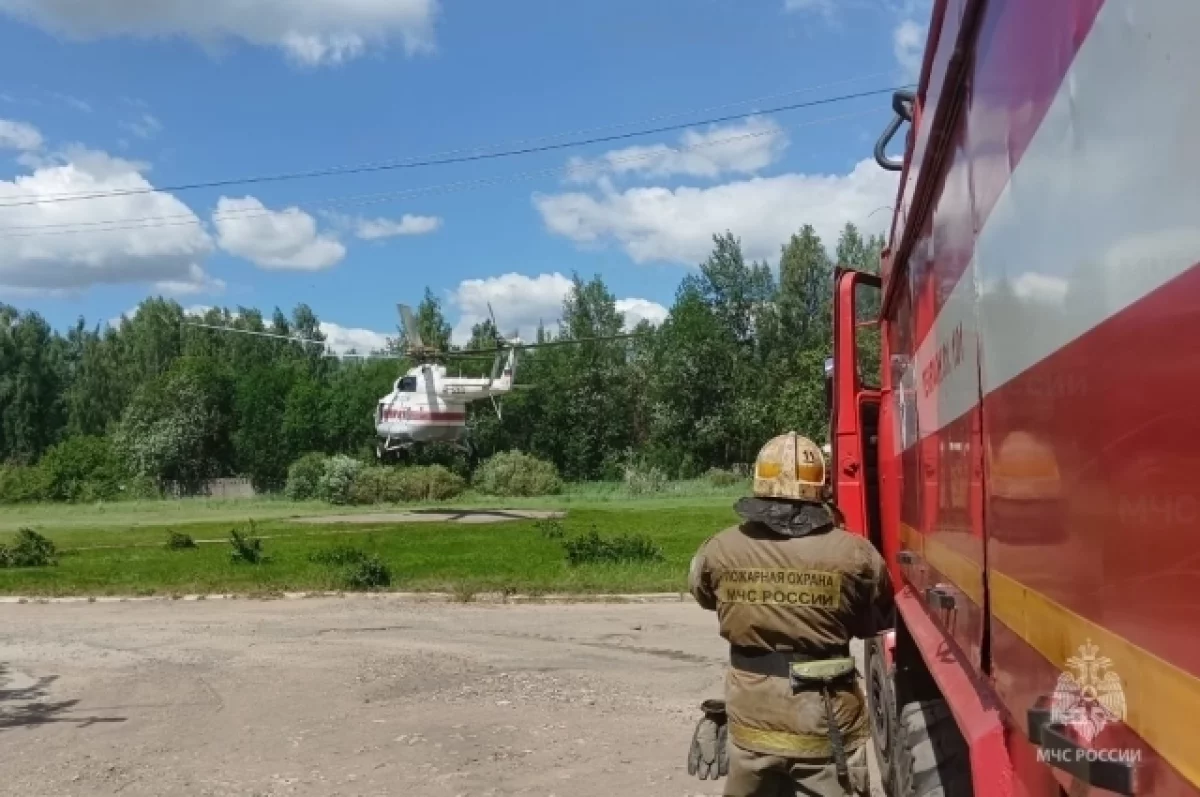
(902,104)
(906,558)
(1065,754)
(940,598)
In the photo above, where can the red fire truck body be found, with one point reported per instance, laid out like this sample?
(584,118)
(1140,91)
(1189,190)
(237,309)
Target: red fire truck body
(1029,461)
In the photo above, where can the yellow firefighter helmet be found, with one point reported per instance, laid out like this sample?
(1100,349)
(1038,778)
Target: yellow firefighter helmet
(790,467)
(1024,468)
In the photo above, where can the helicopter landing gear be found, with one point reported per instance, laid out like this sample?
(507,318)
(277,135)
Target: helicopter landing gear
(387,454)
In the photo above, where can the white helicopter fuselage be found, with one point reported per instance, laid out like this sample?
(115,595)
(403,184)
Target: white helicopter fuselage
(427,406)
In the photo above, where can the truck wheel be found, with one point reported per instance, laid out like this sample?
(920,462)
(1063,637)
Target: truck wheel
(931,759)
(881,703)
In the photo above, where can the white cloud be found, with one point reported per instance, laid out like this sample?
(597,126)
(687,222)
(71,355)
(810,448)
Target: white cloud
(638,310)
(145,126)
(521,303)
(310,32)
(18,135)
(198,282)
(1040,287)
(71,245)
(740,148)
(371,229)
(275,239)
(908,44)
(341,339)
(677,225)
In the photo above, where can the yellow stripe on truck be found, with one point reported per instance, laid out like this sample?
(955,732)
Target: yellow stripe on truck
(962,571)
(1162,701)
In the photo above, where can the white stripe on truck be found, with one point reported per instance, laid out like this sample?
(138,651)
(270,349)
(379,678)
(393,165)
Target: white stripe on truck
(1103,208)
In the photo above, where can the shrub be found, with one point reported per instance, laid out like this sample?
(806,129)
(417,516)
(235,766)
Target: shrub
(372,485)
(367,573)
(304,477)
(82,469)
(643,479)
(513,473)
(442,484)
(378,484)
(722,478)
(247,548)
(337,479)
(591,548)
(29,550)
(178,541)
(20,484)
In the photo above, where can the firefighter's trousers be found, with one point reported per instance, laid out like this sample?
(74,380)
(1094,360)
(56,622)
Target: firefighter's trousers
(759,775)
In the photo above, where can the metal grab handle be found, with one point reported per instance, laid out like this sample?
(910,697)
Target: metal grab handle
(902,104)
(940,598)
(1110,773)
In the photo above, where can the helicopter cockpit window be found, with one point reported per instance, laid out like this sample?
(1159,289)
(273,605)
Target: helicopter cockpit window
(408,384)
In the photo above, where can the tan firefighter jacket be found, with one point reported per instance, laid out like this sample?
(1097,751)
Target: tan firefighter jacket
(805,590)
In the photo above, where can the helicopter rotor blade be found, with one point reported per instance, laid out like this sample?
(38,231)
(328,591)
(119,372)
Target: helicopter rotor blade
(293,338)
(571,342)
(576,341)
(500,339)
(409,321)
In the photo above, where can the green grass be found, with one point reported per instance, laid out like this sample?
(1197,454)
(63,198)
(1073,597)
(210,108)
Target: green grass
(121,551)
(125,515)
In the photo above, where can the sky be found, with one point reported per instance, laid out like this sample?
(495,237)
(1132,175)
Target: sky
(129,105)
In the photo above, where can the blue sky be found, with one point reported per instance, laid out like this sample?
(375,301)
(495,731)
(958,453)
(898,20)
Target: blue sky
(103,95)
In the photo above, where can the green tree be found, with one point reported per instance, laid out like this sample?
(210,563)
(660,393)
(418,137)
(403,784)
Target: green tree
(32,383)
(176,428)
(261,441)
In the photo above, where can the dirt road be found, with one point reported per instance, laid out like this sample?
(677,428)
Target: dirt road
(352,696)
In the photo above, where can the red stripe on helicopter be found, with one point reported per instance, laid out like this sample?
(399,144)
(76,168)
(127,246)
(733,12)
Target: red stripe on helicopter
(421,415)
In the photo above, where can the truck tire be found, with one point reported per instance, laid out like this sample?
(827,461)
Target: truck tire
(931,758)
(881,704)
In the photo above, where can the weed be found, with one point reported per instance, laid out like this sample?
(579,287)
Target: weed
(247,548)
(177,540)
(591,548)
(29,550)
(550,528)
(367,573)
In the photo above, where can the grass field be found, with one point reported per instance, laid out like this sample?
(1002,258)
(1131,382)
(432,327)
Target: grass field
(119,549)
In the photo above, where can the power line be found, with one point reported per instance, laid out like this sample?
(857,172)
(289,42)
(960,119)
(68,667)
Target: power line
(444,161)
(184,219)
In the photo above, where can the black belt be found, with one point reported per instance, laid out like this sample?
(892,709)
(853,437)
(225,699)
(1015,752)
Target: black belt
(761,661)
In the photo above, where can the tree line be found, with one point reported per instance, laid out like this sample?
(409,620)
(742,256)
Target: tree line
(152,400)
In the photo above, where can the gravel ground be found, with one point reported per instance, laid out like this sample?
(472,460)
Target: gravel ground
(352,696)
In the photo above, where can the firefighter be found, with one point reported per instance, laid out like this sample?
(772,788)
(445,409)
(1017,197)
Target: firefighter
(790,587)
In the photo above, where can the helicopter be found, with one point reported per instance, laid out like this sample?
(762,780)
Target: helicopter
(426,405)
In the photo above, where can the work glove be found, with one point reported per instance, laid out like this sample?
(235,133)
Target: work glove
(708,757)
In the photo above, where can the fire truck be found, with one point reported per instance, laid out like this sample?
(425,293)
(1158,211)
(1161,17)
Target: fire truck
(1026,456)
